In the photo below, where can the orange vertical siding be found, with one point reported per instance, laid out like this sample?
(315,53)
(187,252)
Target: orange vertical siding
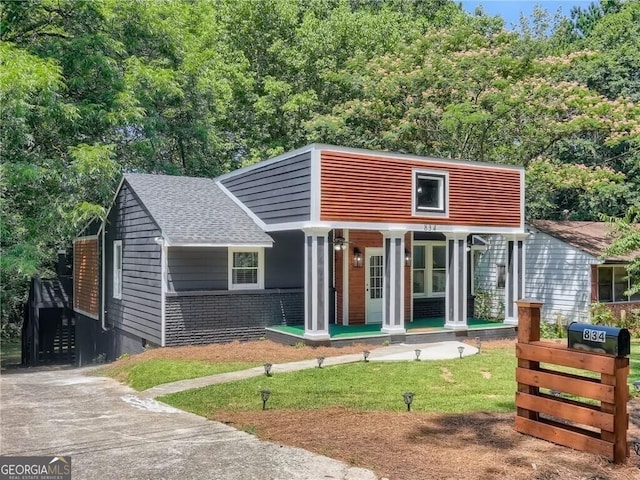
(366,188)
(86,268)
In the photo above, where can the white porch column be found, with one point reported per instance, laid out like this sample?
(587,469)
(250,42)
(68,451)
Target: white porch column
(316,284)
(456,292)
(393,285)
(515,283)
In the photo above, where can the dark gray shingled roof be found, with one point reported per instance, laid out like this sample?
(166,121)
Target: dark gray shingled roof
(192,210)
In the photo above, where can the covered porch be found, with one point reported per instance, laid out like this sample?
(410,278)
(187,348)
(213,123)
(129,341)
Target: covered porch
(418,331)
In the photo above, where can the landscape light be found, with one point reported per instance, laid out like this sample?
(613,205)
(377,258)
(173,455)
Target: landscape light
(636,385)
(264,394)
(320,361)
(408,399)
(417,352)
(636,445)
(555,393)
(267,369)
(478,344)
(365,355)
(460,350)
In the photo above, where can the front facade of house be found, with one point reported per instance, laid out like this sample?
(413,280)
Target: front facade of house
(566,270)
(317,236)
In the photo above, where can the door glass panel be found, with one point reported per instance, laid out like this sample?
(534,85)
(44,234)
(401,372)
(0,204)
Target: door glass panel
(375,276)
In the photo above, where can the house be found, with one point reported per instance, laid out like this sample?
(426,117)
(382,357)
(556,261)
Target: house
(320,237)
(566,269)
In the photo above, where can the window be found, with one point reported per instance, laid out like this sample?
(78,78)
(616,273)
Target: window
(246,269)
(117,269)
(429,269)
(613,282)
(501,275)
(429,192)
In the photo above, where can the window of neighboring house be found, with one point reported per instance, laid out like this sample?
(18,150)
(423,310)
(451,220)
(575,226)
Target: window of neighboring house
(613,282)
(117,269)
(429,269)
(430,192)
(246,268)
(501,275)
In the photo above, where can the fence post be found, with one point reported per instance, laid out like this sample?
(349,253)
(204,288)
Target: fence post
(528,331)
(619,409)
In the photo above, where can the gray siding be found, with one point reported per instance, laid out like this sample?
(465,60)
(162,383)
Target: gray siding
(138,313)
(284,262)
(197,268)
(555,273)
(216,317)
(278,192)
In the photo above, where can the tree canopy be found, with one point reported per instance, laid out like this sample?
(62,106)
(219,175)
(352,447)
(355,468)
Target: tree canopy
(92,88)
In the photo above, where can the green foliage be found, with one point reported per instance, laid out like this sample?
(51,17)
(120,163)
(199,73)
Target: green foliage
(602,315)
(488,305)
(626,233)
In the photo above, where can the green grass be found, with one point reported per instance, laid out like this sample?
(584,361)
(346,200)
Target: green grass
(484,382)
(10,352)
(156,371)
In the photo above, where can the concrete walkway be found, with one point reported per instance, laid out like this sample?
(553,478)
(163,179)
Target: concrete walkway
(113,432)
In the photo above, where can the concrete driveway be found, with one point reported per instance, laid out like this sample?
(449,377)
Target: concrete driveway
(111,433)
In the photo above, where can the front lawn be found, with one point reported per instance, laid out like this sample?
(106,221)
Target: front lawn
(482,382)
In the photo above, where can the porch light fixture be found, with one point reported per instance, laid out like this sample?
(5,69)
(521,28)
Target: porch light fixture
(408,399)
(320,361)
(365,355)
(267,369)
(265,394)
(417,351)
(407,258)
(460,350)
(339,243)
(357,257)
(636,385)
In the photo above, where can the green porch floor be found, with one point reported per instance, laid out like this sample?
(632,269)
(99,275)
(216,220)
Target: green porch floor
(373,329)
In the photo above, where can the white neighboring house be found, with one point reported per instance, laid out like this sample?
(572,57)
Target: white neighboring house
(564,269)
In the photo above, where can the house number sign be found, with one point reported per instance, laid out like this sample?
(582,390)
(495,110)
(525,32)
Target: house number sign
(594,335)
(430,228)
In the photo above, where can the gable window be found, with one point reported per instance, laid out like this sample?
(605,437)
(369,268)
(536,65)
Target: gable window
(613,282)
(429,269)
(246,268)
(430,192)
(117,269)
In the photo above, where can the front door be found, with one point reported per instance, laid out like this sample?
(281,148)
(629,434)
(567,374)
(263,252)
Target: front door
(373,289)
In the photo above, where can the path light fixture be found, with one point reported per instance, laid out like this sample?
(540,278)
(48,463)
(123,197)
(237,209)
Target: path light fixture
(267,369)
(357,257)
(408,399)
(636,385)
(460,350)
(636,446)
(320,361)
(555,393)
(478,344)
(265,394)
(417,352)
(365,355)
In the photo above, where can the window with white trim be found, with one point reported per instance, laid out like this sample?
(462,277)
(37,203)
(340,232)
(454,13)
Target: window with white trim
(246,268)
(429,192)
(117,269)
(429,269)
(613,282)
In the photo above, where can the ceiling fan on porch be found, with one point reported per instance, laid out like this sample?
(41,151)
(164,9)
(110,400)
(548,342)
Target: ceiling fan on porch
(340,244)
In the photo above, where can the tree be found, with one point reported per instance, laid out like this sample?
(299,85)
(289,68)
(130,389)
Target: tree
(626,231)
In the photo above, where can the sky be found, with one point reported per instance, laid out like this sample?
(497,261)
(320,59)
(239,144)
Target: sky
(510,9)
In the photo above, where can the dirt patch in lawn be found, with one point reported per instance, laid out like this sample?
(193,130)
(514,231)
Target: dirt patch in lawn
(408,446)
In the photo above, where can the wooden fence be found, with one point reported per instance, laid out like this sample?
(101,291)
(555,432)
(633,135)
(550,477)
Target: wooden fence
(600,429)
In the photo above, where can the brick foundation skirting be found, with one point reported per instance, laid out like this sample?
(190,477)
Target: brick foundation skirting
(224,317)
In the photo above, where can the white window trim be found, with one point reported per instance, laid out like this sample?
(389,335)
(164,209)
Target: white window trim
(247,286)
(613,281)
(117,270)
(443,177)
(428,269)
